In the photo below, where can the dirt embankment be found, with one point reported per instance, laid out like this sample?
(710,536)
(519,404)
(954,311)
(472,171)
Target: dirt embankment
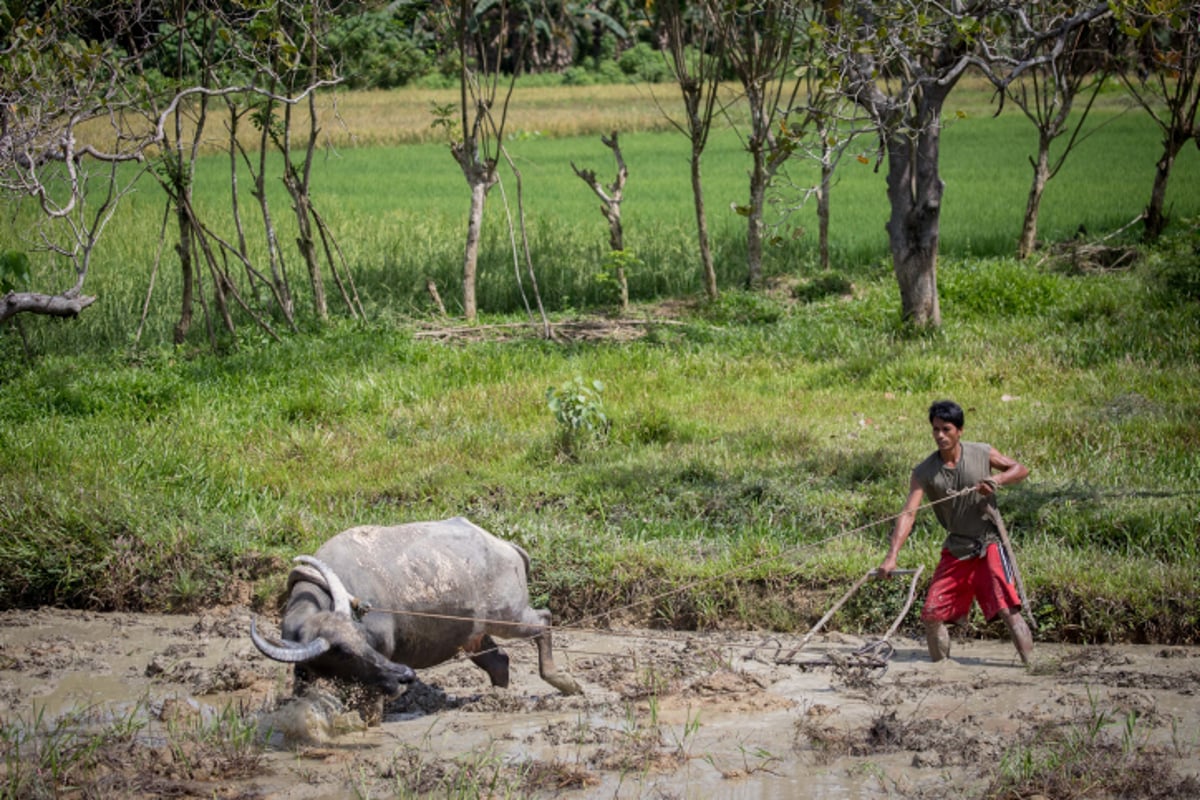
(180,707)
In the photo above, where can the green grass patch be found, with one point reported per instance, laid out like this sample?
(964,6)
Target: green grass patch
(752,450)
(752,459)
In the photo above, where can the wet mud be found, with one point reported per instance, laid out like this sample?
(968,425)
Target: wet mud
(663,715)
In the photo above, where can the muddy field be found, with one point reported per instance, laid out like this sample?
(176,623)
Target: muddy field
(178,701)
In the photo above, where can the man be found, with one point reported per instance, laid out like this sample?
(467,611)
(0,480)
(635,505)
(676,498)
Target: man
(974,564)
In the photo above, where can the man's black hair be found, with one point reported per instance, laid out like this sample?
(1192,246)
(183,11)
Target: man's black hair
(947,410)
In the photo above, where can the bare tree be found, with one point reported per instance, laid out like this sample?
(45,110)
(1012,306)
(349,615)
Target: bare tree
(1075,65)
(818,130)
(1163,79)
(210,50)
(483,42)
(610,206)
(306,25)
(1043,59)
(694,56)
(54,86)
(757,39)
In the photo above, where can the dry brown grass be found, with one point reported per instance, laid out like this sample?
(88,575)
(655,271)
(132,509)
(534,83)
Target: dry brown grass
(406,115)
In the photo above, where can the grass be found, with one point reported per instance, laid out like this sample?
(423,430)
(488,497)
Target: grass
(99,752)
(1087,759)
(753,449)
(748,455)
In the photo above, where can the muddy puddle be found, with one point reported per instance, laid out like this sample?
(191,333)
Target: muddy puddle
(664,715)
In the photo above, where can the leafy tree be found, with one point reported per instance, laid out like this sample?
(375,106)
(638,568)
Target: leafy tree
(757,38)
(694,57)
(376,50)
(1161,71)
(900,62)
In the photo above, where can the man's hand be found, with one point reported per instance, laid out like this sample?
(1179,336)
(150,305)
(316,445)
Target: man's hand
(885,570)
(987,487)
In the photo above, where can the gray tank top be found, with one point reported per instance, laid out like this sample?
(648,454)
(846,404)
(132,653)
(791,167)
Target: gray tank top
(964,517)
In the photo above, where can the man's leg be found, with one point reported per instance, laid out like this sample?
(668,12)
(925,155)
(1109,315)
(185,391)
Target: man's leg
(1022,638)
(996,591)
(938,639)
(949,598)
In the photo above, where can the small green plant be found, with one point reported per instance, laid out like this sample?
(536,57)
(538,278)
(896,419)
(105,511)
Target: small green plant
(40,754)
(615,271)
(443,117)
(578,408)
(758,759)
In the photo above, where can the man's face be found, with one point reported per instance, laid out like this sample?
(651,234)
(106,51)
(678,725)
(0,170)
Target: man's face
(946,435)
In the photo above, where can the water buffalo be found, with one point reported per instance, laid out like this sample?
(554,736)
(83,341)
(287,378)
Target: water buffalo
(376,602)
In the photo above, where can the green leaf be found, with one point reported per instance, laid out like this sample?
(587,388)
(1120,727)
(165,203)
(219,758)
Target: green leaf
(14,270)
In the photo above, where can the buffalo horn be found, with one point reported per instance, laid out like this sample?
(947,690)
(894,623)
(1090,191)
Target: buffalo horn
(337,590)
(290,652)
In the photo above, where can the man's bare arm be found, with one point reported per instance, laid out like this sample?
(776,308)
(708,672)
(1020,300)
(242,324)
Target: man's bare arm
(1007,471)
(903,527)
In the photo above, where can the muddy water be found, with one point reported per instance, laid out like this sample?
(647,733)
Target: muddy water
(719,715)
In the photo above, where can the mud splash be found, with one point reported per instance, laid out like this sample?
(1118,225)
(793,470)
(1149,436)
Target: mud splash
(663,715)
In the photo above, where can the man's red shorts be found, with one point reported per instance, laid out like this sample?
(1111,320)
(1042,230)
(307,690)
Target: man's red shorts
(958,581)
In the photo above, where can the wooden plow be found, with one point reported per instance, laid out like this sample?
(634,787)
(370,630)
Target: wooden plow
(873,655)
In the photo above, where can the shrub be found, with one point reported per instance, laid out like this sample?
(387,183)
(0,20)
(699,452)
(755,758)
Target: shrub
(999,287)
(644,63)
(1175,268)
(376,52)
(744,308)
(821,287)
(579,411)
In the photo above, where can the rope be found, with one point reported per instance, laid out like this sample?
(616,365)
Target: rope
(581,625)
(1012,560)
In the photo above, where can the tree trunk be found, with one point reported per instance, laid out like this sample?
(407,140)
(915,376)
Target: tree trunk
(754,222)
(915,192)
(471,252)
(308,250)
(757,144)
(296,180)
(1041,174)
(706,259)
(187,270)
(1155,215)
(610,206)
(823,197)
(279,279)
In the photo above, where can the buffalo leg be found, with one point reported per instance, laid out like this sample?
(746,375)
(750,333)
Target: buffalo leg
(488,656)
(546,667)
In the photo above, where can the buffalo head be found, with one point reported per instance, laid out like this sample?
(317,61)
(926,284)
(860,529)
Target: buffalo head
(334,644)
